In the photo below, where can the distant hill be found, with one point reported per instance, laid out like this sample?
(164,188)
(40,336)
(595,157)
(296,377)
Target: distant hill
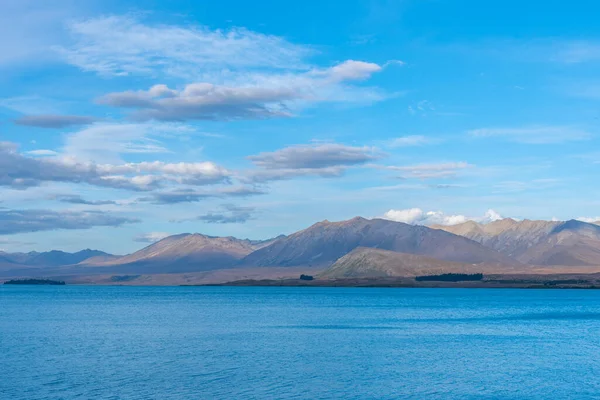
(570,243)
(54,258)
(6,264)
(57,258)
(325,242)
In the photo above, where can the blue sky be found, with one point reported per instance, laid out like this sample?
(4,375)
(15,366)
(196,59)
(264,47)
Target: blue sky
(122,122)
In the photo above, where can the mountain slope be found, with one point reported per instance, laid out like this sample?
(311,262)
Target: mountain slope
(259,244)
(183,253)
(376,263)
(569,243)
(325,242)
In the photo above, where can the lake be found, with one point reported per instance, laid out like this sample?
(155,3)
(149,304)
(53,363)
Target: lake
(96,342)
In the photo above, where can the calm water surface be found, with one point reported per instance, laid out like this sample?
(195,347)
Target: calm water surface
(77,342)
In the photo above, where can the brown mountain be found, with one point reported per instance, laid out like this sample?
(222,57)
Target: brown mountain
(570,243)
(325,242)
(182,253)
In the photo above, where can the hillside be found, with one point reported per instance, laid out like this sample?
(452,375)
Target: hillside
(376,263)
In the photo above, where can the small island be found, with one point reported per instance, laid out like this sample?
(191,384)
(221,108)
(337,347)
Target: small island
(449,278)
(33,282)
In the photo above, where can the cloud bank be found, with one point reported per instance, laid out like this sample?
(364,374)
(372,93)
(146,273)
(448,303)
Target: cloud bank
(416,216)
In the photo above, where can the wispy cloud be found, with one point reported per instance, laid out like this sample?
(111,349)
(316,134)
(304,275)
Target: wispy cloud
(228,214)
(54,121)
(124,45)
(539,50)
(194,196)
(577,51)
(521,186)
(106,142)
(536,134)
(42,153)
(412,140)
(428,171)
(76,199)
(22,221)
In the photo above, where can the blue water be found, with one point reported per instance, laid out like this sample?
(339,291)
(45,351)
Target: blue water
(77,342)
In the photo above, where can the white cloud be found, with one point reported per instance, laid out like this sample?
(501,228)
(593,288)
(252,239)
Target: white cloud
(20,171)
(151,237)
(588,219)
(235,74)
(536,134)
(186,173)
(417,216)
(256,97)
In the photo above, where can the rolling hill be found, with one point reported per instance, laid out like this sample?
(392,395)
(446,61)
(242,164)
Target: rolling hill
(365,262)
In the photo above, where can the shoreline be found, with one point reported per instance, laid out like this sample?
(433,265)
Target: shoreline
(491,281)
(554,281)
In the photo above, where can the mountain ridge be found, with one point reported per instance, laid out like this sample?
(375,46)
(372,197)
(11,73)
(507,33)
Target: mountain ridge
(325,242)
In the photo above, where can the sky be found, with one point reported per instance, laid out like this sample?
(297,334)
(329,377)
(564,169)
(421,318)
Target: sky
(122,122)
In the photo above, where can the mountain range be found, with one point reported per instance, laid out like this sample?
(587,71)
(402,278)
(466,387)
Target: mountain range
(325,242)
(570,243)
(354,248)
(54,258)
